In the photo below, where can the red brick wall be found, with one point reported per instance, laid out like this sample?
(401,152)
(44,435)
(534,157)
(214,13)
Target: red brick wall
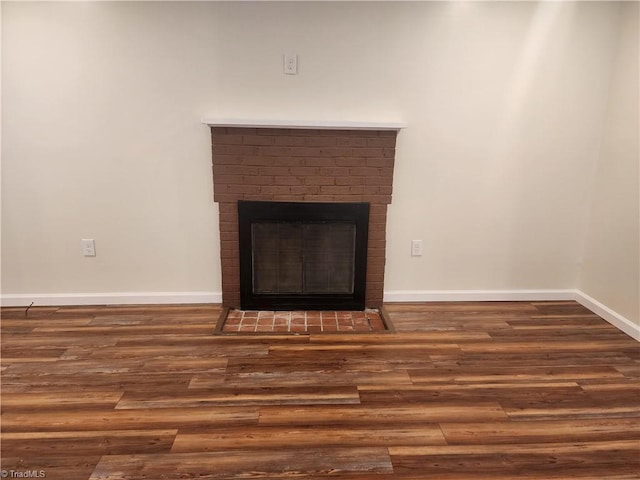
(298,165)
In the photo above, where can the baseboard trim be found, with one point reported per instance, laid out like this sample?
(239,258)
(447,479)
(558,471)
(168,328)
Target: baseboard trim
(477,295)
(408,296)
(122,298)
(614,318)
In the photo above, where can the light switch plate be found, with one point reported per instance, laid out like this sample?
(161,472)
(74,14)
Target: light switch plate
(416,248)
(88,247)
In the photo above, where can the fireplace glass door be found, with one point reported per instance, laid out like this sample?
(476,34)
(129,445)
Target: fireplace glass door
(303,258)
(302,255)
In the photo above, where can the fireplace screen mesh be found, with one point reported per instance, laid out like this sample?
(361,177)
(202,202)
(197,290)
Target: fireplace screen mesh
(303,258)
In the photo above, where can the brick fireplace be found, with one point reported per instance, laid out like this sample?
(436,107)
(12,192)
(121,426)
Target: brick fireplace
(302,163)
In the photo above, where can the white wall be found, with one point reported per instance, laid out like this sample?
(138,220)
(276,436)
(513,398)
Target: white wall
(102,102)
(611,270)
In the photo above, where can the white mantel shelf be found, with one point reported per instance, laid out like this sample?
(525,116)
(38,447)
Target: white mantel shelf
(303,124)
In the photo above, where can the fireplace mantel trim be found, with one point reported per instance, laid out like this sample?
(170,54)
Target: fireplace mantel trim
(303,124)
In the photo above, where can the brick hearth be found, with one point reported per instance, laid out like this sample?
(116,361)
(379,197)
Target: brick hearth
(303,322)
(302,165)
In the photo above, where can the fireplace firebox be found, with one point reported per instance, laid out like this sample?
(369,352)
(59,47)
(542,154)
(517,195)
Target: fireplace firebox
(303,255)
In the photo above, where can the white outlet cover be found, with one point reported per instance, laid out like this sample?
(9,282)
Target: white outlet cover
(88,247)
(290,64)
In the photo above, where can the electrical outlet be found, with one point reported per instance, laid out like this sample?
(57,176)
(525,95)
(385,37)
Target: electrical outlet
(290,64)
(88,247)
(416,248)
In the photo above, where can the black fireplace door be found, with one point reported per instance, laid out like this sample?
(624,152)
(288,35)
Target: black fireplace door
(303,256)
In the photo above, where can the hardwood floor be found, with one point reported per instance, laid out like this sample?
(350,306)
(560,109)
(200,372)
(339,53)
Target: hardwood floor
(459,391)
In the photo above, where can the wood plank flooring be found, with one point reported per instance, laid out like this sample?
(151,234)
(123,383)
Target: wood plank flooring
(497,390)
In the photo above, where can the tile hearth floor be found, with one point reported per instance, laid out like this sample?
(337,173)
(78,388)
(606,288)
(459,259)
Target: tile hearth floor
(247,321)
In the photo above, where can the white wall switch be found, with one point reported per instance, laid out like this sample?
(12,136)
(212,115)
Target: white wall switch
(290,64)
(416,248)
(88,247)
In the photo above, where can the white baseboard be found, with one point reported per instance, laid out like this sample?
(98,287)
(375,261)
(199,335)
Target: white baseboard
(146,298)
(126,298)
(478,295)
(611,316)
